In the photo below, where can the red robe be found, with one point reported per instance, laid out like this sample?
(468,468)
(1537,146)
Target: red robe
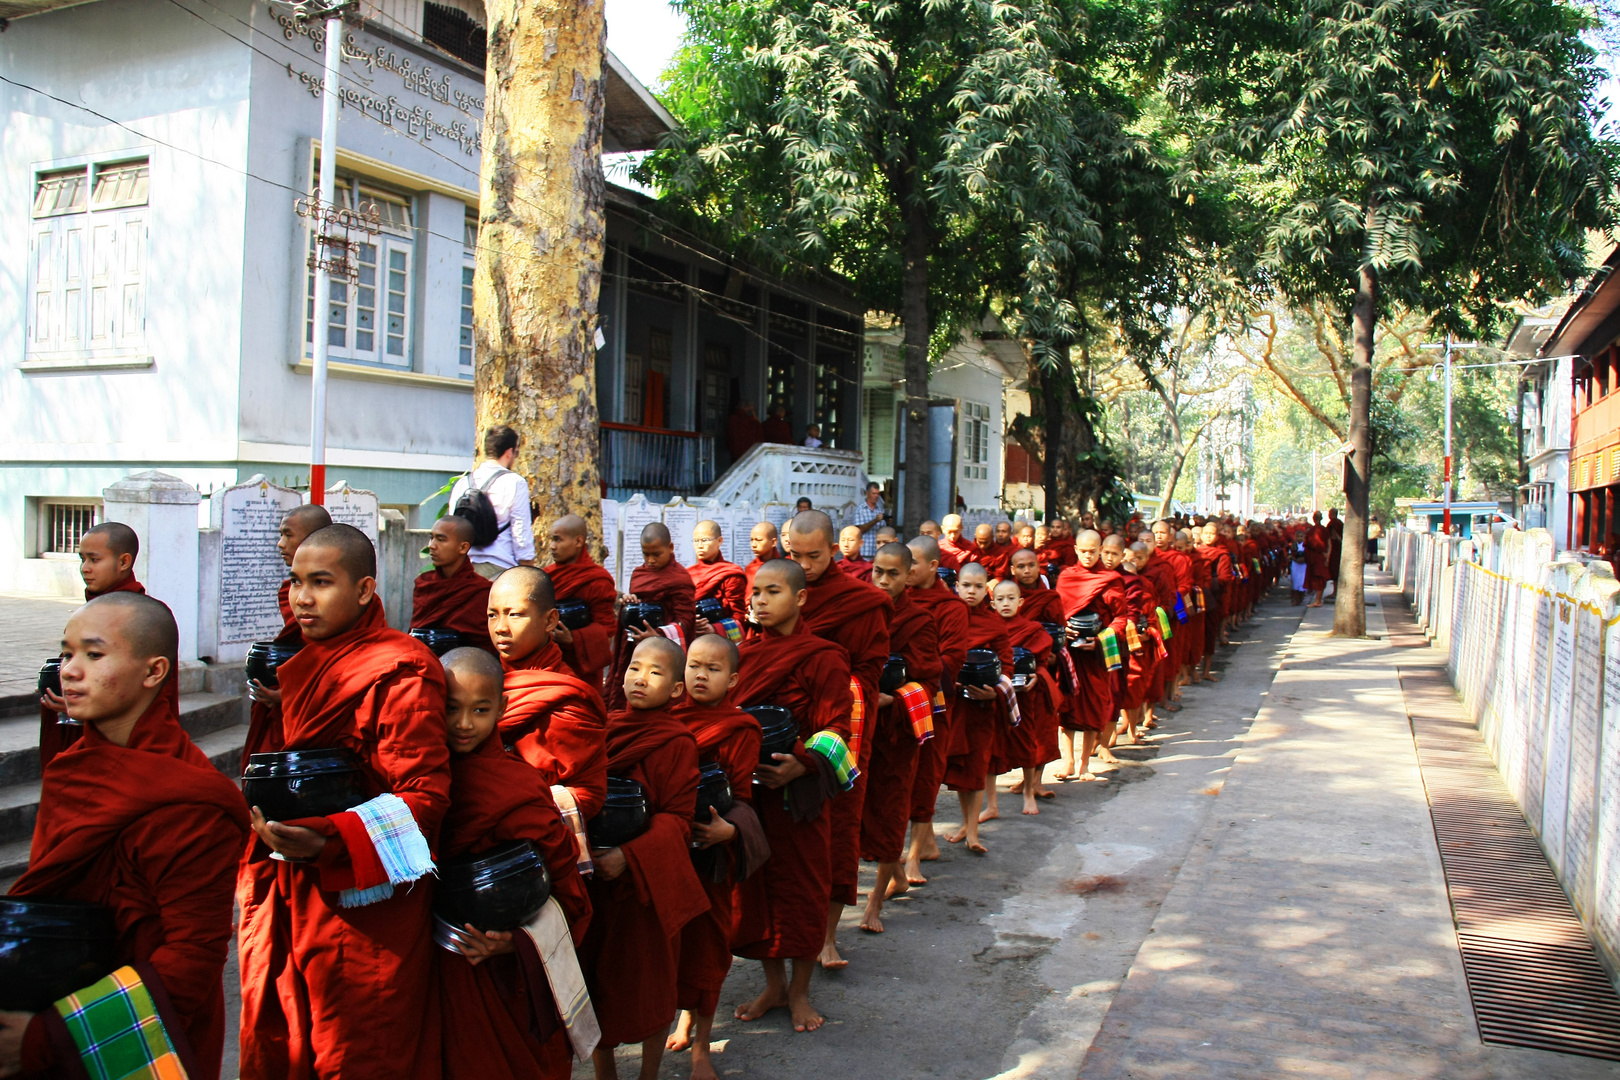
(975,724)
(264,719)
(1057,551)
(892,766)
(1222,581)
(1162,577)
(1026,746)
(379,693)
(591,651)
(459,602)
(725,734)
(858,568)
(856,616)
(1043,605)
(670,588)
(782,910)
(152,831)
(631,952)
(1199,622)
(1317,544)
(496,1012)
(54,736)
(556,723)
(1098,590)
(750,570)
(953,553)
(1139,662)
(994,560)
(725,582)
(950,620)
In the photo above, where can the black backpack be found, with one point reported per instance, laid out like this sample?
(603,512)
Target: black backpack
(476,508)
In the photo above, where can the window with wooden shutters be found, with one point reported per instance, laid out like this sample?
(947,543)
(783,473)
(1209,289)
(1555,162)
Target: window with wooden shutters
(975,441)
(367,318)
(87,262)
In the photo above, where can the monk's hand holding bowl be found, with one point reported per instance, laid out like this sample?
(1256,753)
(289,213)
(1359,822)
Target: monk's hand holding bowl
(292,842)
(647,630)
(980,693)
(53,701)
(562,635)
(479,945)
(787,770)
(610,863)
(702,626)
(12,1027)
(712,832)
(264,695)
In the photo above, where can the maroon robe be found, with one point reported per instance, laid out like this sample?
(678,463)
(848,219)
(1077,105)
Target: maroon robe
(672,589)
(857,568)
(975,723)
(556,724)
(892,765)
(1026,746)
(1096,590)
(264,719)
(723,581)
(950,617)
(591,651)
(459,602)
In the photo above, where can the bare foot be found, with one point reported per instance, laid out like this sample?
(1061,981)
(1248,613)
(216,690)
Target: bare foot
(928,850)
(1065,773)
(899,886)
(1043,792)
(914,874)
(1103,755)
(989,813)
(871,922)
(770,999)
(703,1068)
(1029,805)
(681,1037)
(1091,778)
(1212,677)
(1016,787)
(805,1017)
(830,960)
(977,847)
(956,836)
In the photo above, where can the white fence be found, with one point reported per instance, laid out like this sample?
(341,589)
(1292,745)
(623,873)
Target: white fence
(1534,651)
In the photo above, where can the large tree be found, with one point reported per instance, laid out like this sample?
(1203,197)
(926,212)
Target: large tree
(1435,155)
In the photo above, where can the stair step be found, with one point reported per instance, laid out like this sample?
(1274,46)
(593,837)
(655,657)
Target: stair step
(200,714)
(13,861)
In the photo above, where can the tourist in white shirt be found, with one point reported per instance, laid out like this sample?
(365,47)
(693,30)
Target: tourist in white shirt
(812,436)
(509,493)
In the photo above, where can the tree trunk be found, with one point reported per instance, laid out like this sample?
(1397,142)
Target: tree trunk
(540,247)
(1349,602)
(914,318)
(1051,461)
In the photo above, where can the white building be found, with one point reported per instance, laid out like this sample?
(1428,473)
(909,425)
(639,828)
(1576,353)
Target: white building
(1544,423)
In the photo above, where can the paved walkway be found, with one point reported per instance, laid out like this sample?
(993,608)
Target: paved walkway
(30,631)
(1308,933)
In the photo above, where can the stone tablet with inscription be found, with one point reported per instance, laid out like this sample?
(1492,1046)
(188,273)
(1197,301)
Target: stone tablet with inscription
(681,518)
(638,514)
(248,517)
(1555,767)
(353,506)
(1583,747)
(611,542)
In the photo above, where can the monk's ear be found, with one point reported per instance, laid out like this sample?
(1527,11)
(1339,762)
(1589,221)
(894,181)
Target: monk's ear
(677,690)
(800,597)
(157,669)
(126,563)
(366,589)
(462,547)
(551,620)
(731,683)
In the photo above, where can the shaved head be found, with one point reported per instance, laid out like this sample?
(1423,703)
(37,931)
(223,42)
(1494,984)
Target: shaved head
(1088,536)
(1139,548)
(530,582)
(459,527)
(571,524)
(308,519)
(355,553)
(706,528)
(785,571)
(898,551)
(972,572)
(721,644)
(655,532)
(1114,540)
(763,529)
(119,538)
(474,662)
(665,650)
(924,547)
(812,522)
(147,624)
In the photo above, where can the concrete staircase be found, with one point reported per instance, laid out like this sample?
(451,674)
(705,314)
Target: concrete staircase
(213,710)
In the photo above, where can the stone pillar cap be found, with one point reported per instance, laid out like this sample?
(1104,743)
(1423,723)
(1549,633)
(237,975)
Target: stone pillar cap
(152,486)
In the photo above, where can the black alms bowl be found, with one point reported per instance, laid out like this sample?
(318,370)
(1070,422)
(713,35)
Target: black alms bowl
(50,676)
(634,615)
(264,657)
(50,948)
(981,668)
(439,640)
(1086,626)
(574,614)
(295,784)
(1056,630)
(500,889)
(1023,667)
(894,674)
(711,609)
(1053,569)
(779,731)
(948,576)
(714,792)
(623,816)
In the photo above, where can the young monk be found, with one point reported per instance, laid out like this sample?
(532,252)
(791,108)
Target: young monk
(1088,587)
(1141,636)
(576,576)
(500,1015)
(453,595)
(714,577)
(849,548)
(782,910)
(734,843)
(980,710)
(1040,603)
(553,720)
(854,615)
(645,891)
(762,542)
(902,723)
(985,552)
(107,565)
(951,620)
(328,925)
(954,551)
(1162,577)
(1021,747)
(296,526)
(1179,569)
(1113,558)
(1024,537)
(135,818)
(658,580)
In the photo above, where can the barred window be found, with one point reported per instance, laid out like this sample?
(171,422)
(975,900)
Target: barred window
(63,524)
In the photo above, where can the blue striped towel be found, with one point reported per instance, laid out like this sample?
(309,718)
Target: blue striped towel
(400,845)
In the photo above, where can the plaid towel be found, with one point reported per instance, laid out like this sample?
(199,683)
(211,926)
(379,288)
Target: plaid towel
(729,628)
(1181,609)
(575,821)
(857,719)
(939,703)
(1256,565)
(1109,642)
(1069,678)
(836,751)
(918,709)
(400,847)
(674,632)
(1165,630)
(116,1027)
(1133,637)
(1198,599)
(549,932)
(1009,694)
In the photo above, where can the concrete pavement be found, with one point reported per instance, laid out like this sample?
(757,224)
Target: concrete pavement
(30,631)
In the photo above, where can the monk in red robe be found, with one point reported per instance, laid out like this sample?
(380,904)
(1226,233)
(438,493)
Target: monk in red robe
(107,565)
(553,720)
(1223,578)
(953,550)
(950,620)
(1142,656)
(988,554)
(453,595)
(1178,569)
(265,711)
(1161,578)
(849,548)
(716,578)
(895,733)
(658,580)
(1197,658)
(1088,587)
(1040,603)
(500,1017)
(576,576)
(854,615)
(782,910)
(135,818)
(1024,537)
(1318,543)
(644,890)
(730,846)
(762,541)
(1022,747)
(979,709)
(1059,547)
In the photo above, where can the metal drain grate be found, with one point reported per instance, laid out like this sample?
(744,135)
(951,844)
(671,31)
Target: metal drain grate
(1533,976)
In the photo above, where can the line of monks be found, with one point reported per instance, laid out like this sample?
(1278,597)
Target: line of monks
(561,693)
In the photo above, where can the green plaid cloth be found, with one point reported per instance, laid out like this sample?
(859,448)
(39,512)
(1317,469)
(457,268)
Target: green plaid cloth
(1113,656)
(1164,625)
(120,1036)
(831,747)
